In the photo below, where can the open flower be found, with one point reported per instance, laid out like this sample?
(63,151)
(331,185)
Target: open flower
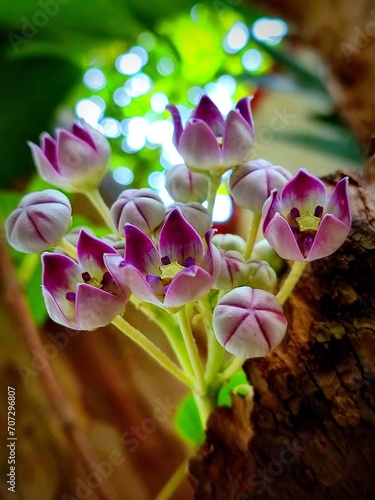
(304,224)
(82,296)
(210,142)
(74,161)
(178,272)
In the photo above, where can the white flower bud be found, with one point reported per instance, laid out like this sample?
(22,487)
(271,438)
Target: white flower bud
(141,207)
(40,221)
(184,185)
(249,323)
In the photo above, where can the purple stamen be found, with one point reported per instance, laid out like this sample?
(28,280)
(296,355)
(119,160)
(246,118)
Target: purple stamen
(122,263)
(86,277)
(307,244)
(71,297)
(107,279)
(190,261)
(294,213)
(152,279)
(165,260)
(318,211)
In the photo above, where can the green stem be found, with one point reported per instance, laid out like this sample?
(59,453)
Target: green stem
(152,350)
(27,268)
(101,207)
(233,367)
(68,248)
(173,482)
(252,234)
(213,186)
(192,350)
(291,280)
(215,352)
(171,332)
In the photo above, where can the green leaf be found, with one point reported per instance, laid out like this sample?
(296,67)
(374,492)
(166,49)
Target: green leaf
(307,78)
(344,146)
(188,422)
(224,398)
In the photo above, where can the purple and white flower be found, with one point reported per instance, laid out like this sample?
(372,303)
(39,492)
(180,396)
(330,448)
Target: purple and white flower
(248,322)
(304,223)
(75,161)
(211,142)
(83,295)
(179,271)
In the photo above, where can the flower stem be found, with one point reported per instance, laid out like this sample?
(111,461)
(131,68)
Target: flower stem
(231,369)
(173,482)
(68,248)
(192,350)
(252,234)
(291,280)
(215,352)
(152,350)
(213,186)
(97,201)
(27,268)
(171,332)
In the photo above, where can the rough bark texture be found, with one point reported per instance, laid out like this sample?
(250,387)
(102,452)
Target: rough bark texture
(310,430)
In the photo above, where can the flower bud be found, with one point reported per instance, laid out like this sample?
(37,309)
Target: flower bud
(249,323)
(195,214)
(261,275)
(75,161)
(40,221)
(251,183)
(229,241)
(234,270)
(141,207)
(184,185)
(264,251)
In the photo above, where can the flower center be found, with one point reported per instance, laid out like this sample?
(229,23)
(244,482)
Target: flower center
(308,222)
(169,271)
(305,227)
(107,284)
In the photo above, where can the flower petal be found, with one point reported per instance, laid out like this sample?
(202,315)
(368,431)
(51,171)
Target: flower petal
(140,251)
(75,157)
(64,317)
(44,167)
(199,147)
(280,236)
(90,252)
(244,107)
(208,112)
(270,207)
(176,117)
(238,140)
(137,283)
(101,144)
(179,240)
(112,263)
(188,285)
(304,191)
(83,134)
(339,204)
(60,274)
(212,260)
(95,307)
(330,236)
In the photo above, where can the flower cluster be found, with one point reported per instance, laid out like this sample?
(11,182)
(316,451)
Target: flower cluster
(170,257)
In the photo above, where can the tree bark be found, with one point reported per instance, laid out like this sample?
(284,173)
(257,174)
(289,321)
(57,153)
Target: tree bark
(311,428)
(309,431)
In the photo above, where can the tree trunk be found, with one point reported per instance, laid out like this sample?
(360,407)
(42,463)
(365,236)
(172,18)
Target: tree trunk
(310,431)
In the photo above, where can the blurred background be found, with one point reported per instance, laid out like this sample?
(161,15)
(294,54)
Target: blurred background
(117,64)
